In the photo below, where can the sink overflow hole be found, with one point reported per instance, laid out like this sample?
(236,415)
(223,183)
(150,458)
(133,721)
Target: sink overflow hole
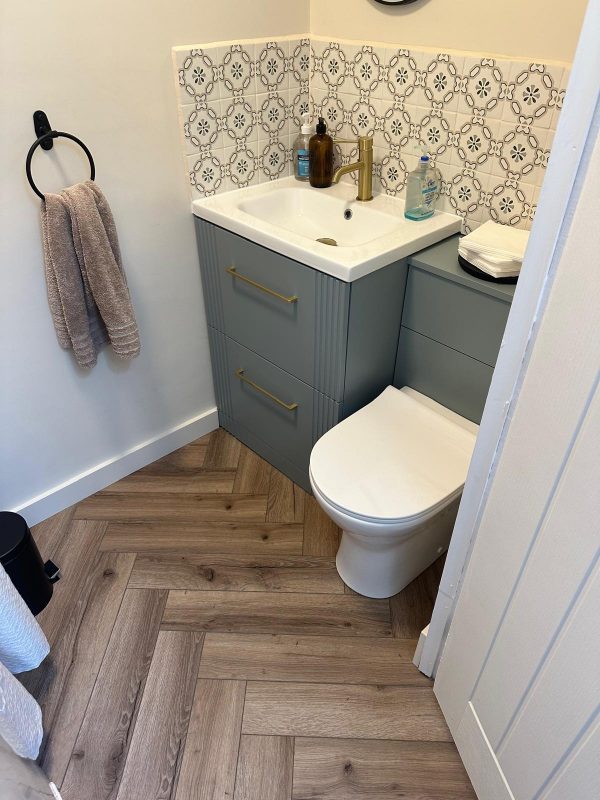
(347,214)
(327,240)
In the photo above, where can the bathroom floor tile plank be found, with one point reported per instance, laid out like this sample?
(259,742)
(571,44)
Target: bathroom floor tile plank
(412,608)
(253,474)
(337,769)
(223,451)
(61,618)
(162,722)
(237,573)
(98,758)
(338,711)
(285,501)
(201,442)
(75,660)
(74,555)
(321,534)
(49,533)
(155,506)
(185,461)
(310,659)
(210,756)
(247,564)
(265,768)
(167,536)
(203,481)
(270,612)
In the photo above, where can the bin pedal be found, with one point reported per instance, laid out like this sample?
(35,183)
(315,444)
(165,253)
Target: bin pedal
(52,571)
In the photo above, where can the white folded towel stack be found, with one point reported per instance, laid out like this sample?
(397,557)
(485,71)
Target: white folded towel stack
(495,249)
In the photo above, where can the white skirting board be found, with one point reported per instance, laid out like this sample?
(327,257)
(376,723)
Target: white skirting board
(102,475)
(420,645)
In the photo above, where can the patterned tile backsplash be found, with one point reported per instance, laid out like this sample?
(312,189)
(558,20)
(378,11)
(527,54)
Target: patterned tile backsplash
(240,108)
(487,123)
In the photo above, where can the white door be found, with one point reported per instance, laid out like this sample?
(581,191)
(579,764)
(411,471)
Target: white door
(519,677)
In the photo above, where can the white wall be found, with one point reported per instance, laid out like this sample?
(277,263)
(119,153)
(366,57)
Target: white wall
(103,72)
(535,30)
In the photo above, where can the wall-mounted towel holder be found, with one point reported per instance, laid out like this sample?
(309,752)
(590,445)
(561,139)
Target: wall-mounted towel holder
(45,140)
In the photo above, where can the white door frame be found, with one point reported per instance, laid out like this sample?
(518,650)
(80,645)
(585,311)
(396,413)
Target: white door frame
(544,248)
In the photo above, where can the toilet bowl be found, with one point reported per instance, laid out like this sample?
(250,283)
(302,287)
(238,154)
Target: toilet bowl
(391,476)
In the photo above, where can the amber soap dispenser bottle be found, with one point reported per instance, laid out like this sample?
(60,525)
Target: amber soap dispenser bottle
(320,153)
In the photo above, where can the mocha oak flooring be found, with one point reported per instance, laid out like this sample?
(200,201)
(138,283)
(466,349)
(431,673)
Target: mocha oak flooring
(203,647)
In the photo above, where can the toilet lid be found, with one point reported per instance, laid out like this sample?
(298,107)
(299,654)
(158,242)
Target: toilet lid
(396,459)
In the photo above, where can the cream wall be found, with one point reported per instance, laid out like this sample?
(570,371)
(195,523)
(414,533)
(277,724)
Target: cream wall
(535,30)
(102,70)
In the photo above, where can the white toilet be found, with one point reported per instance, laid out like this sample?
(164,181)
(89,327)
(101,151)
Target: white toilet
(391,476)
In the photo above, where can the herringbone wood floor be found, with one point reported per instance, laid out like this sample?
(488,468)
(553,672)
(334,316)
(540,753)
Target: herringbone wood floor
(205,648)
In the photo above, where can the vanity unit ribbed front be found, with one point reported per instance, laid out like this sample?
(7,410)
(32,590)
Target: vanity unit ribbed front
(293,350)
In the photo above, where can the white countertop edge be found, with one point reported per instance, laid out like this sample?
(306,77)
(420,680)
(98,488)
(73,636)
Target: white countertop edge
(350,264)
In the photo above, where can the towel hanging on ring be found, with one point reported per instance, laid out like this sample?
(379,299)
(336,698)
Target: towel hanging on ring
(87,290)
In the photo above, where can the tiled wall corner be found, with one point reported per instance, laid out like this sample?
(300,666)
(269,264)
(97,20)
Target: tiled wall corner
(488,123)
(240,106)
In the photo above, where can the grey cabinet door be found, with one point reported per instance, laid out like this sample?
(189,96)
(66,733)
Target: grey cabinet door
(459,317)
(256,386)
(281,330)
(306,338)
(451,378)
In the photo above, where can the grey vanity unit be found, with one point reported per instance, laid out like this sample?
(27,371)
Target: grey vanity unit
(294,350)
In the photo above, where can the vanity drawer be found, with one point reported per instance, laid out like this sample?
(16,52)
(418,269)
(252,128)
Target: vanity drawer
(453,379)
(268,303)
(274,405)
(457,316)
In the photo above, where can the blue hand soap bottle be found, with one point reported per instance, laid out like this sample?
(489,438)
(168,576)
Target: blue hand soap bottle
(301,150)
(423,187)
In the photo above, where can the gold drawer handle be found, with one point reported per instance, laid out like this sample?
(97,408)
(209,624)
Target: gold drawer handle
(239,373)
(235,274)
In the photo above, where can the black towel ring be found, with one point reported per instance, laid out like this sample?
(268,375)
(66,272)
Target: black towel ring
(45,140)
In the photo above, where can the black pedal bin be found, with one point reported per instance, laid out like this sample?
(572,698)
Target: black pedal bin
(22,561)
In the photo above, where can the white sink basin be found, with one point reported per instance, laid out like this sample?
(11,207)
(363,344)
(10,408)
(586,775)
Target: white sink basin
(320,214)
(290,217)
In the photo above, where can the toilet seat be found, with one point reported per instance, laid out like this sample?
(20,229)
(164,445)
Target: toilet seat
(396,522)
(398,460)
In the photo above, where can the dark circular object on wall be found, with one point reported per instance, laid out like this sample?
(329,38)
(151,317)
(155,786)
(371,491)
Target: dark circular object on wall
(46,138)
(394,2)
